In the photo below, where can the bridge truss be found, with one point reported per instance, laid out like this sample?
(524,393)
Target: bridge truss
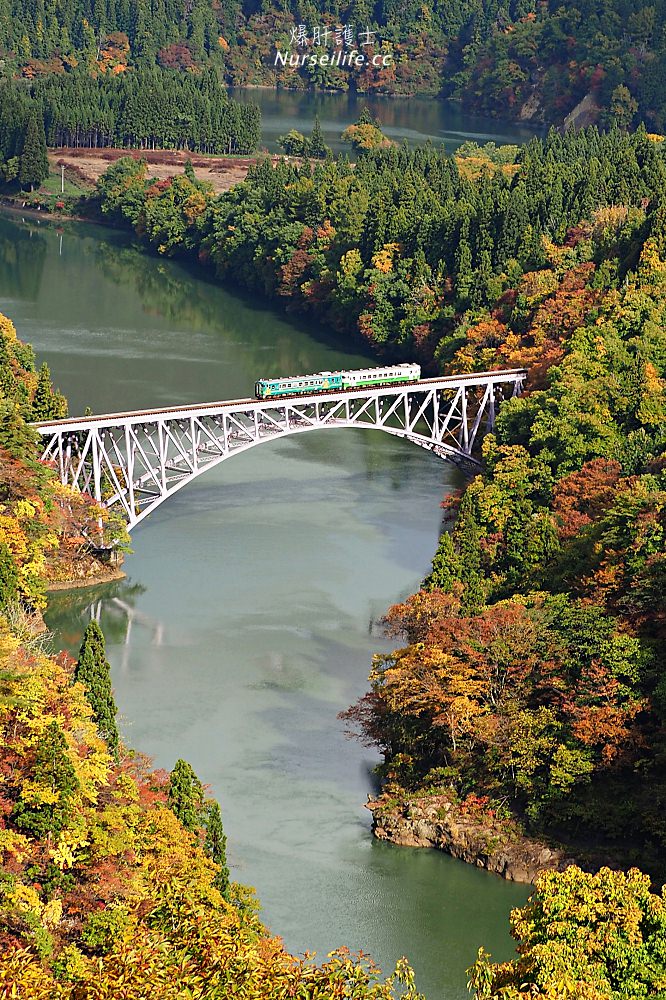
(134,461)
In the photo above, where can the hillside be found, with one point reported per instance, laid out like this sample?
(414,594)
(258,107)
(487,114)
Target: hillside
(531,679)
(531,59)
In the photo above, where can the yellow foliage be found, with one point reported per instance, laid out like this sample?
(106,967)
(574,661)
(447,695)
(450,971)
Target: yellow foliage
(13,844)
(12,534)
(37,794)
(383,259)
(52,914)
(7,328)
(69,842)
(351,263)
(651,264)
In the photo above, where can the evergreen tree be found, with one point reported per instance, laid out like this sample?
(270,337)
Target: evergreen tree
(8,575)
(34,164)
(445,566)
(316,146)
(16,436)
(467,542)
(186,798)
(54,771)
(94,672)
(215,846)
(46,404)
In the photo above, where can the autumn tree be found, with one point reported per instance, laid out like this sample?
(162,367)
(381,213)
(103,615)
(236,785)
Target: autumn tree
(582,935)
(48,809)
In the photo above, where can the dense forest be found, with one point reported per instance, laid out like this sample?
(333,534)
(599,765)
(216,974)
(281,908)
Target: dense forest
(531,680)
(148,109)
(535,59)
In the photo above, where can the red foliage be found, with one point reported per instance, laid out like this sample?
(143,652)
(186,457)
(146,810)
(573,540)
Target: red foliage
(583,496)
(176,56)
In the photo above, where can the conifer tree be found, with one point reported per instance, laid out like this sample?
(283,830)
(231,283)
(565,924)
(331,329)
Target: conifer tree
(54,770)
(445,566)
(47,404)
(8,575)
(16,436)
(215,846)
(316,146)
(34,164)
(94,672)
(467,542)
(185,797)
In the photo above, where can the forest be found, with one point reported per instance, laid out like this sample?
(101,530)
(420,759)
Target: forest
(531,59)
(145,110)
(531,679)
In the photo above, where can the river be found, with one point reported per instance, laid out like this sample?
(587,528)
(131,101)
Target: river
(417,119)
(251,607)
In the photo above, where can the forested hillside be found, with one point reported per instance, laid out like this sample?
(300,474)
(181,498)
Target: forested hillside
(532,676)
(113,877)
(531,58)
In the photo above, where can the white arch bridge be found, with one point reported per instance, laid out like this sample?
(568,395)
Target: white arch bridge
(133,461)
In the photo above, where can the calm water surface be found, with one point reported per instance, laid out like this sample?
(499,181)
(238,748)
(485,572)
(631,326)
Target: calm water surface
(250,611)
(417,119)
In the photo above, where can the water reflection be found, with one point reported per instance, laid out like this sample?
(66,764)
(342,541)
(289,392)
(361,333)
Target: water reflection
(416,119)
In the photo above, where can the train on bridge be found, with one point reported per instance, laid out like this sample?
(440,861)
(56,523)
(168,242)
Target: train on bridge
(362,378)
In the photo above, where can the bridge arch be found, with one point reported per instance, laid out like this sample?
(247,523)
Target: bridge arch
(135,461)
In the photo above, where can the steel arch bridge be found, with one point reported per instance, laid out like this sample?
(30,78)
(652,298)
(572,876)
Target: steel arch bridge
(133,462)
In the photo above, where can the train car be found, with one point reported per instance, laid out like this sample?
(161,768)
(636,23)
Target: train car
(388,375)
(298,385)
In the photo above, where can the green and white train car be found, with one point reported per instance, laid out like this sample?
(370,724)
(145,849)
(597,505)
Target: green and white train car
(299,385)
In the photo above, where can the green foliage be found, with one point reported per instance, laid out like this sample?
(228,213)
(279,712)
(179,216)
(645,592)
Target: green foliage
(580,936)
(446,566)
(103,929)
(215,846)
(47,404)
(48,811)
(93,671)
(316,147)
(33,162)
(8,576)
(185,797)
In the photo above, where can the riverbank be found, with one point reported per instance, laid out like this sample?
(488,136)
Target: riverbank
(466,832)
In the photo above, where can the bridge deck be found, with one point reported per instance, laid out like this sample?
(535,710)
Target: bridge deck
(189,409)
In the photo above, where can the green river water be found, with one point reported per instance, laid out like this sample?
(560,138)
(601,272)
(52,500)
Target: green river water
(252,601)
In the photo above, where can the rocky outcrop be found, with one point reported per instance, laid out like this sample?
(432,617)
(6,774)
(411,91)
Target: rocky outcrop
(86,571)
(477,838)
(585,113)
(531,109)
